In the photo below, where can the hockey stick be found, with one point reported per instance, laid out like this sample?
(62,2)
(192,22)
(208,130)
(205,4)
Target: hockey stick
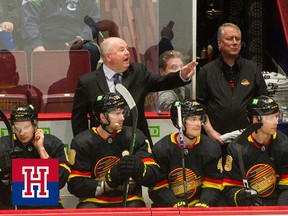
(239,144)
(182,149)
(133,109)
(10,131)
(9,128)
(230,136)
(134,112)
(15,150)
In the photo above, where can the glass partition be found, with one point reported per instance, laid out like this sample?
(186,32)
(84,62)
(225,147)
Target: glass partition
(46,34)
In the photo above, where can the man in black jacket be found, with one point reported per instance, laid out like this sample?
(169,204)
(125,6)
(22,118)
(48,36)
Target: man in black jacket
(226,84)
(135,77)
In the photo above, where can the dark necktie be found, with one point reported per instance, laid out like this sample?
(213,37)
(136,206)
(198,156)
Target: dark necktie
(232,78)
(117,79)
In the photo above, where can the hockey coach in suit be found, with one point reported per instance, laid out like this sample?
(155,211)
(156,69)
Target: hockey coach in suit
(116,67)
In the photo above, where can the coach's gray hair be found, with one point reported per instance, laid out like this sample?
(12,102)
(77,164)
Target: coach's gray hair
(221,29)
(107,45)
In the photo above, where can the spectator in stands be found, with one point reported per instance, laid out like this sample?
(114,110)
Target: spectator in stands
(77,67)
(29,142)
(10,23)
(170,62)
(9,82)
(99,164)
(256,171)
(9,75)
(226,84)
(75,70)
(152,53)
(151,58)
(167,36)
(103,25)
(56,25)
(135,77)
(200,184)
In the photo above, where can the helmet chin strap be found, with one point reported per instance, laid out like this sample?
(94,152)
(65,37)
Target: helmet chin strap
(259,118)
(104,126)
(184,132)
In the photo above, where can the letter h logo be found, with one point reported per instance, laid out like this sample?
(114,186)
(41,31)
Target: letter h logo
(35,182)
(30,181)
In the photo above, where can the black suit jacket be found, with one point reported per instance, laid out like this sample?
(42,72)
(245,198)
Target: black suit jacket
(138,81)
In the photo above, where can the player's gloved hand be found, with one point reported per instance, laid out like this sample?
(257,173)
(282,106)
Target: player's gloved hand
(132,166)
(244,197)
(201,205)
(180,204)
(115,176)
(5,164)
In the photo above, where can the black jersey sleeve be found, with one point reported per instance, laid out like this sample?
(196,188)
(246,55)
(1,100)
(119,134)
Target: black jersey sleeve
(5,192)
(212,168)
(80,183)
(229,193)
(163,197)
(210,196)
(56,149)
(232,180)
(82,187)
(283,198)
(281,165)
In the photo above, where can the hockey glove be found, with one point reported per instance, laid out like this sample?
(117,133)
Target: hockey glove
(5,164)
(180,204)
(244,197)
(115,176)
(132,166)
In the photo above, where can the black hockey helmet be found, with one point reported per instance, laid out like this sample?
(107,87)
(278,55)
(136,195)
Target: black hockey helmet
(24,113)
(106,103)
(188,108)
(262,105)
